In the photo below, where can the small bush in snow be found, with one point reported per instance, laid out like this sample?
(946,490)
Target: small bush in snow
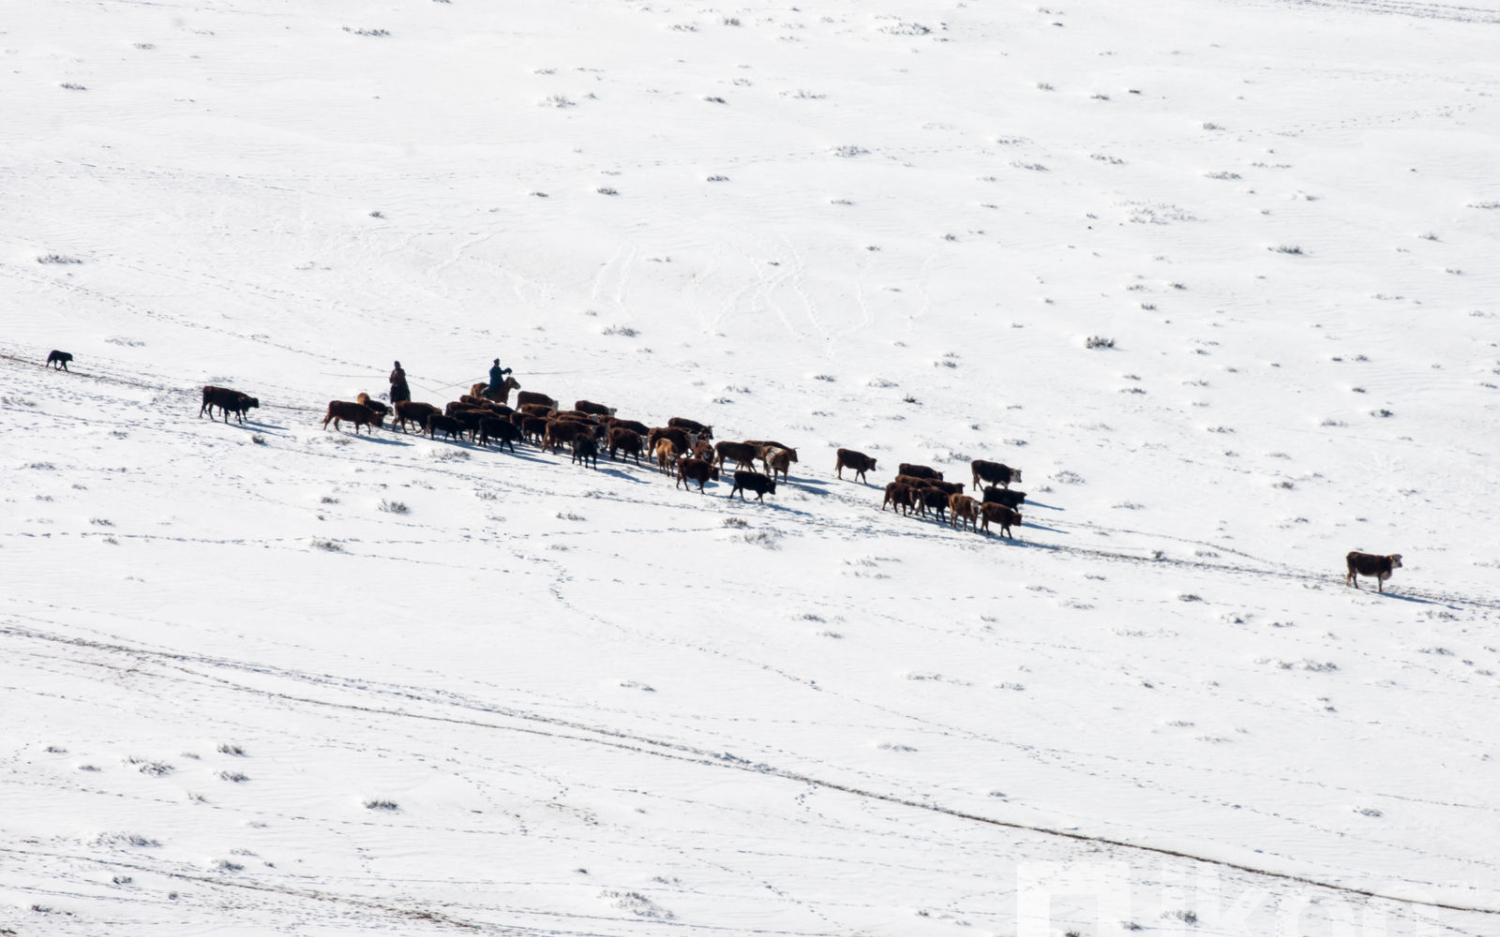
(230,749)
(735,522)
(394,507)
(57,259)
(1098,341)
(381,805)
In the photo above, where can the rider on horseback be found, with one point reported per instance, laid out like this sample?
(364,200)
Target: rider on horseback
(497,378)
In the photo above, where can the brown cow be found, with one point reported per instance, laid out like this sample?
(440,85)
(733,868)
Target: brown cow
(777,461)
(1372,565)
(563,431)
(962,511)
(598,409)
(531,396)
(898,494)
(999,514)
(575,415)
(536,409)
(436,423)
(666,455)
(696,470)
(533,429)
(356,413)
(918,471)
(679,437)
(857,461)
(492,427)
(408,410)
(691,426)
(636,425)
(994,473)
(739,453)
(625,440)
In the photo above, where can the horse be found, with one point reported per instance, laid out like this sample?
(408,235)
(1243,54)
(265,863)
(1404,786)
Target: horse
(499,394)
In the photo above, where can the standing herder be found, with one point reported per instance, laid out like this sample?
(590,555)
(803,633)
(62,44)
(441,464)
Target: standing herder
(399,390)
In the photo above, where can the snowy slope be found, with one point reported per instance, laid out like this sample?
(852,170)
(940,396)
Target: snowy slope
(279,679)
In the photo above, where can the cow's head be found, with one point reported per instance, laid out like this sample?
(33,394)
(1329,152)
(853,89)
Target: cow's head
(1395,561)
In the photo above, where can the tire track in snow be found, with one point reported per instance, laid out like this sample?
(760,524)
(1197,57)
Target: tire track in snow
(569,731)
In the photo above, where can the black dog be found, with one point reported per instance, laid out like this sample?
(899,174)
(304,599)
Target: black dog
(59,359)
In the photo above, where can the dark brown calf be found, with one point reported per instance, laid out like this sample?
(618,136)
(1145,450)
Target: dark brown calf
(998,514)
(918,471)
(739,453)
(60,359)
(753,481)
(598,409)
(624,440)
(563,431)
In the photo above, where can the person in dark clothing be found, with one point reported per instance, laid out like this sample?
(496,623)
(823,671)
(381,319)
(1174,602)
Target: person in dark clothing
(497,376)
(399,390)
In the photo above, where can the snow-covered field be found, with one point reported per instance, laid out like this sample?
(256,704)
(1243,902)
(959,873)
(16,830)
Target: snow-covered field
(276,679)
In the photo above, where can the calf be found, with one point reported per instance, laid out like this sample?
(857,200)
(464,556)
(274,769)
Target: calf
(918,471)
(691,426)
(636,425)
(1370,564)
(530,396)
(1011,499)
(898,494)
(625,440)
(999,514)
(495,428)
(753,481)
(229,401)
(586,450)
(356,413)
(856,461)
(666,455)
(60,359)
(598,409)
(533,429)
(436,423)
(994,473)
(962,511)
(696,470)
(737,452)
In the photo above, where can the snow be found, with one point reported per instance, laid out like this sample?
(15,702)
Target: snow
(273,678)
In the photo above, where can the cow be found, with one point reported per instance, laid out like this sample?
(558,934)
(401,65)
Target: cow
(598,409)
(1011,499)
(540,410)
(737,452)
(919,483)
(696,470)
(666,454)
(931,498)
(563,431)
(575,415)
(703,449)
(531,396)
(679,437)
(918,471)
(898,495)
(60,359)
(230,401)
(364,400)
(411,411)
(500,394)
(636,425)
(692,426)
(586,450)
(962,512)
(994,473)
(856,461)
(625,440)
(436,423)
(990,512)
(753,481)
(505,431)
(777,461)
(1369,564)
(533,429)
(356,413)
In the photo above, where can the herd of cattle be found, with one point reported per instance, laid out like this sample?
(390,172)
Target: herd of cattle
(684,448)
(687,449)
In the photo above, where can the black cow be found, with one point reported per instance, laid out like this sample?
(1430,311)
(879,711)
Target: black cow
(230,401)
(1011,499)
(586,450)
(753,481)
(1370,564)
(493,427)
(994,473)
(60,359)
